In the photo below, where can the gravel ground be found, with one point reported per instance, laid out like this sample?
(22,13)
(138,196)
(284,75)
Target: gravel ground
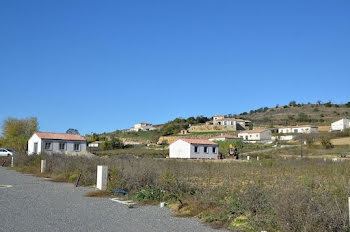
(34,204)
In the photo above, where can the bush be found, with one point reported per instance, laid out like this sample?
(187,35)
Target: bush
(326,142)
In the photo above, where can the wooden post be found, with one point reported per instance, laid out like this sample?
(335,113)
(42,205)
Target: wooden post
(102,175)
(43,166)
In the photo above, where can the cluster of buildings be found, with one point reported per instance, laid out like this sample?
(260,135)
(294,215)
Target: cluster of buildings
(183,147)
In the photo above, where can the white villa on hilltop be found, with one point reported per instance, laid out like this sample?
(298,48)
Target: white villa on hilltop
(55,142)
(143,126)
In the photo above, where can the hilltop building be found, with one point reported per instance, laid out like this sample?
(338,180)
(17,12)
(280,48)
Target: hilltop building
(143,126)
(230,123)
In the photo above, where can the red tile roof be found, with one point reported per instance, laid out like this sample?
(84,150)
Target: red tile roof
(59,136)
(251,131)
(232,119)
(199,141)
(225,136)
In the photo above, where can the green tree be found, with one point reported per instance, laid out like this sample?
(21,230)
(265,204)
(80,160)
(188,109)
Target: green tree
(16,132)
(292,103)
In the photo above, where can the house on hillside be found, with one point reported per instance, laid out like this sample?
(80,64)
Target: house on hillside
(305,129)
(230,123)
(95,145)
(225,138)
(255,135)
(340,125)
(193,149)
(143,126)
(55,142)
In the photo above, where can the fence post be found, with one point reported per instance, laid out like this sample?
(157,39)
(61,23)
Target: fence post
(12,162)
(248,157)
(349,210)
(257,158)
(102,175)
(43,166)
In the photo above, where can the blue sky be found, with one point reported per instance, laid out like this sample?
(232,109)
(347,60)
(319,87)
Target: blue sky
(104,65)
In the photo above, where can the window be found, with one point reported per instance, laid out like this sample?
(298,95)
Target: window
(206,150)
(295,130)
(62,146)
(47,146)
(76,147)
(214,150)
(196,149)
(250,136)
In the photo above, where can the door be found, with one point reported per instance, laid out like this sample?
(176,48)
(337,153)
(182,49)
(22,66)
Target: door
(3,152)
(35,148)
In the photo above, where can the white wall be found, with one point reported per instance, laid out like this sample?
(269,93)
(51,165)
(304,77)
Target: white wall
(340,125)
(31,141)
(304,130)
(180,149)
(265,135)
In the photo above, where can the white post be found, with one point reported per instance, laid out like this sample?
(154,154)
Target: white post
(43,166)
(257,158)
(12,162)
(349,209)
(102,175)
(248,157)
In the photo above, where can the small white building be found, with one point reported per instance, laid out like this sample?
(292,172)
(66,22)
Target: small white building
(255,135)
(305,129)
(143,126)
(95,144)
(225,138)
(340,125)
(193,149)
(55,142)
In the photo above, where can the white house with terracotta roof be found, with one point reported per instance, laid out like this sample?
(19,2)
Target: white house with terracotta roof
(225,138)
(193,149)
(255,135)
(55,142)
(305,129)
(340,125)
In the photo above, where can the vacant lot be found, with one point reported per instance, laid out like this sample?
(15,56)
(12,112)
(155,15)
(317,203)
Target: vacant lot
(271,194)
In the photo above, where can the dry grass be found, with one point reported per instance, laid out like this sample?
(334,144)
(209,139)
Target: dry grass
(341,141)
(273,195)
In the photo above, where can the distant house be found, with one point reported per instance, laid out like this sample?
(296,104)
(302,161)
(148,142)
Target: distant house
(143,126)
(305,129)
(225,138)
(255,135)
(230,123)
(55,142)
(96,144)
(193,149)
(340,125)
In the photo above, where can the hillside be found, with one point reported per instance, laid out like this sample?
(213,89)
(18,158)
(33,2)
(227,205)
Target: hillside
(293,114)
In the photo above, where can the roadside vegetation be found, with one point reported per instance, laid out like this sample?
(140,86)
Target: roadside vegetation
(269,194)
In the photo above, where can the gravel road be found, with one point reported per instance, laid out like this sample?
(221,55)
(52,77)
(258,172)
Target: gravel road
(34,204)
